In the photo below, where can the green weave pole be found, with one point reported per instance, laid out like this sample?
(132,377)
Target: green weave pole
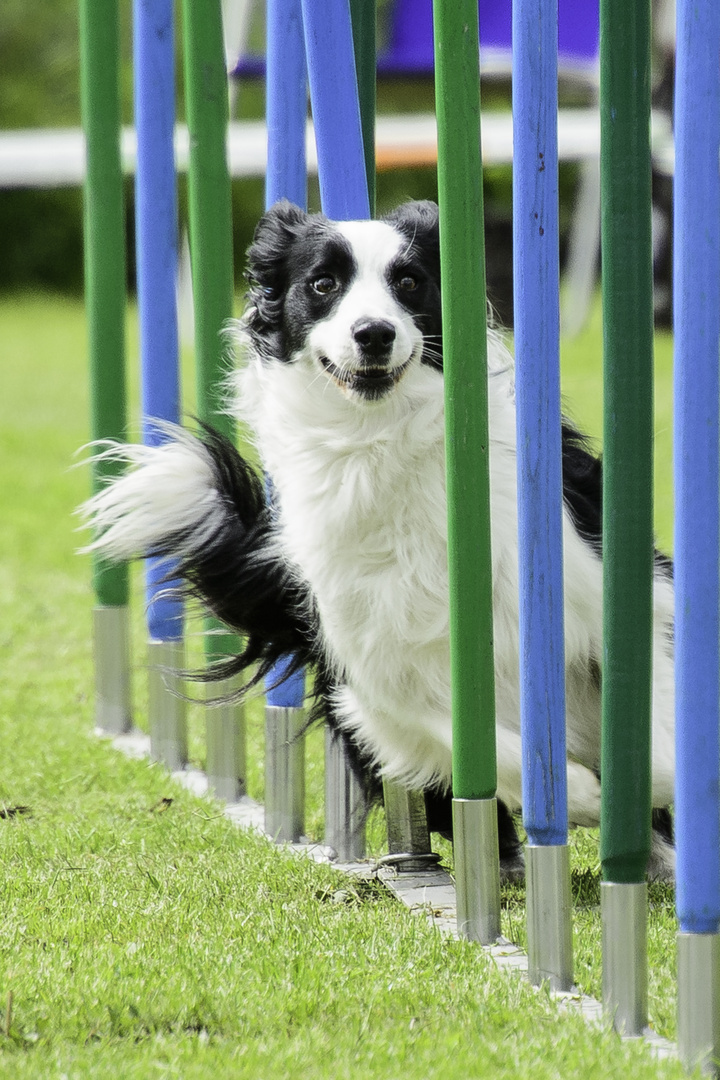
(627,500)
(210,206)
(104,252)
(364,42)
(210,209)
(457,81)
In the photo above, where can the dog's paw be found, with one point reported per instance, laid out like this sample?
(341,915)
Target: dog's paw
(661,864)
(512,868)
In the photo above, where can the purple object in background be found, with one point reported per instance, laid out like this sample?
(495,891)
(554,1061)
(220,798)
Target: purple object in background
(409,50)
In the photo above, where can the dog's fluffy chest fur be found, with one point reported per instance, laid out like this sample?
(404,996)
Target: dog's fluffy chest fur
(362,520)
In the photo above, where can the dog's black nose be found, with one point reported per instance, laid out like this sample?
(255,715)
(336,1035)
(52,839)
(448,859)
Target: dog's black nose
(374,337)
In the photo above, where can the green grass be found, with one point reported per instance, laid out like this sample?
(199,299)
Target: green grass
(145,937)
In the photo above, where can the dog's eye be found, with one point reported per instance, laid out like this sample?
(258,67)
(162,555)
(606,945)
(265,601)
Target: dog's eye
(324,284)
(407,283)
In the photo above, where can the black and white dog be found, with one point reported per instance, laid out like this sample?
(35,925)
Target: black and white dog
(342,390)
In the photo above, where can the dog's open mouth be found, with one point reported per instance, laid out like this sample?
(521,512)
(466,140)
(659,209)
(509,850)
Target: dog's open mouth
(370,382)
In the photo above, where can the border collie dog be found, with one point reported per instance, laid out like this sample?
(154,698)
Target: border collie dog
(342,390)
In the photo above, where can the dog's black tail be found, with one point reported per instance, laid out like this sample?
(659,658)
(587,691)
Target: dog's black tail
(194,499)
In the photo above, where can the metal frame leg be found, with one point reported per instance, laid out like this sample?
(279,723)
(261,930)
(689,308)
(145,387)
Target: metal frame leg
(284,773)
(624,951)
(111,636)
(345,803)
(699,1001)
(225,744)
(166,707)
(477,869)
(407,827)
(549,915)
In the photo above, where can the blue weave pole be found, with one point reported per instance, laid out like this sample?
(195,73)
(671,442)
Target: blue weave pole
(336,110)
(539,451)
(285,104)
(697,514)
(286,178)
(332,76)
(539,469)
(156,246)
(696,300)
(156,243)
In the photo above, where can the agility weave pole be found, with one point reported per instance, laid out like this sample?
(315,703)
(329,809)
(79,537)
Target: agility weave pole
(210,232)
(286,178)
(104,224)
(457,69)
(627,505)
(696,280)
(156,244)
(536,246)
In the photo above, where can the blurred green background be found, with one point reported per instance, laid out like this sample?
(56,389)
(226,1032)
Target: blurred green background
(41,230)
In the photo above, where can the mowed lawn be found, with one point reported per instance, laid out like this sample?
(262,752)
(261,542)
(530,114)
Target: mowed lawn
(142,935)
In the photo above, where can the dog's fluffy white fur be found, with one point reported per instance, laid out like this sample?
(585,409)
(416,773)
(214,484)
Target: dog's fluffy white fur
(341,386)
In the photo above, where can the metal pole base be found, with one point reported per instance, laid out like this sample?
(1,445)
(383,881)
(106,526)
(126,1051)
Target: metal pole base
(549,916)
(407,828)
(624,951)
(284,773)
(226,764)
(477,869)
(167,708)
(345,803)
(699,1001)
(111,637)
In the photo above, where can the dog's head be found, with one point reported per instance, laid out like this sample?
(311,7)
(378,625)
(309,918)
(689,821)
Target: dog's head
(357,301)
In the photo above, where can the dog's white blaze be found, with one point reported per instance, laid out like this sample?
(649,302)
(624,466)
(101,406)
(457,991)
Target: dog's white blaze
(374,246)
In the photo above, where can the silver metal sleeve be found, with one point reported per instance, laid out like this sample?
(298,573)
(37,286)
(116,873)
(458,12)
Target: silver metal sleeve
(407,828)
(477,869)
(624,950)
(549,916)
(111,637)
(699,1001)
(225,744)
(166,707)
(345,803)
(284,773)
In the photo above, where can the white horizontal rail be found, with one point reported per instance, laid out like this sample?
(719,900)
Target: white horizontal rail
(55,157)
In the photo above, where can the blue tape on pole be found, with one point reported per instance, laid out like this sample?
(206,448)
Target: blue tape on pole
(288,693)
(156,246)
(165,612)
(286,178)
(539,450)
(697,481)
(336,109)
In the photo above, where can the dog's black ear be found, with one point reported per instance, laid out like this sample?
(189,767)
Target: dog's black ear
(419,222)
(267,256)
